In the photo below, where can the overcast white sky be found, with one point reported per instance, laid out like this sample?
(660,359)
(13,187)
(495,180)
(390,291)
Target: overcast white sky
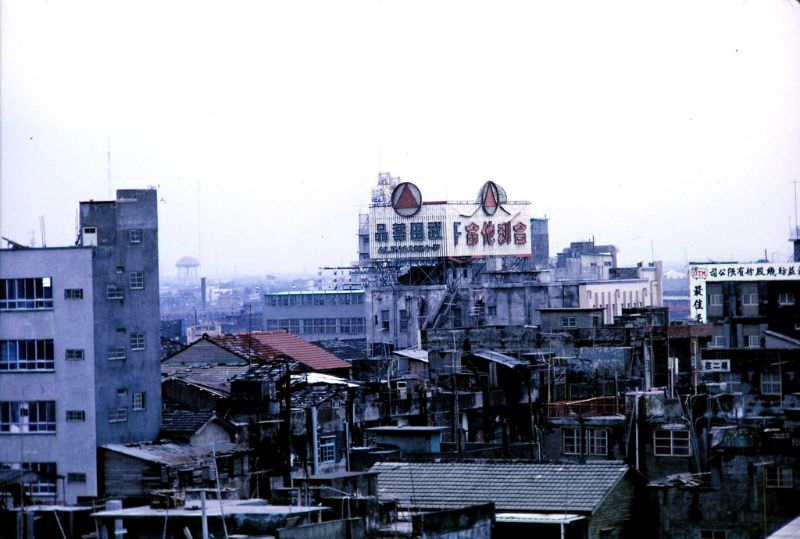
(671,124)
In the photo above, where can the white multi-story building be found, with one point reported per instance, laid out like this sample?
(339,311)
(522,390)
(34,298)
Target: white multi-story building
(80,347)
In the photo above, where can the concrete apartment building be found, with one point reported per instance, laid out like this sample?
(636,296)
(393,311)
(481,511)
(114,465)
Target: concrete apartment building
(79,347)
(317,315)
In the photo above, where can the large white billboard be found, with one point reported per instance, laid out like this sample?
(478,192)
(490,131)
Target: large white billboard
(700,274)
(409,228)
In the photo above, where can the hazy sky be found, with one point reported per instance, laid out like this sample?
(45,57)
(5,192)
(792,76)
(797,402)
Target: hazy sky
(674,125)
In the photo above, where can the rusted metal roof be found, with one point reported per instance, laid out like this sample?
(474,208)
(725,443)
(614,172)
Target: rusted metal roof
(266,346)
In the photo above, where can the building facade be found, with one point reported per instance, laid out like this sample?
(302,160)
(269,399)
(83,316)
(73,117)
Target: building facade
(317,315)
(79,347)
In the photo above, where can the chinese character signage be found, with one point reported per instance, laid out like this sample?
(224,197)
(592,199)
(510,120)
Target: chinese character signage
(700,274)
(411,228)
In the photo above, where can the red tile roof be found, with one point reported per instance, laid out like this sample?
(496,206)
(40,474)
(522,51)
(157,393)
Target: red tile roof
(269,345)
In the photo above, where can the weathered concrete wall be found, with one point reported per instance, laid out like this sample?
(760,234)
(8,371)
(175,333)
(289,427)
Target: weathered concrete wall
(351,529)
(474,522)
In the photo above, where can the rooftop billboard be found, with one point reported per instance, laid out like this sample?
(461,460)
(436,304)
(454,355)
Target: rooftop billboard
(409,228)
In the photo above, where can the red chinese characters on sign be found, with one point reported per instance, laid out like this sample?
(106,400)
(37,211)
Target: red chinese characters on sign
(504,233)
(520,236)
(488,233)
(500,233)
(472,233)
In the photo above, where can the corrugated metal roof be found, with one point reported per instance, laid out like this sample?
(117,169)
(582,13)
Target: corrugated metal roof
(170,454)
(502,359)
(519,487)
(414,353)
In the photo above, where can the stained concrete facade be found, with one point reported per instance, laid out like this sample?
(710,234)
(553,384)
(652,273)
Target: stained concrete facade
(126,246)
(95,321)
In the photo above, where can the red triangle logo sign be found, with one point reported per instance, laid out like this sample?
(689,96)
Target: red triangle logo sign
(406,200)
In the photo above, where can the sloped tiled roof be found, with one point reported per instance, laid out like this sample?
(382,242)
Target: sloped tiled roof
(512,487)
(269,345)
(205,351)
(176,419)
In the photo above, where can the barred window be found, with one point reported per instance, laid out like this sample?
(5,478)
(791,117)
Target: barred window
(114,292)
(27,355)
(73,293)
(76,478)
(24,294)
(137,400)
(135,235)
(24,417)
(136,279)
(117,415)
(137,341)
(74,354)
(116,353)
(76,415)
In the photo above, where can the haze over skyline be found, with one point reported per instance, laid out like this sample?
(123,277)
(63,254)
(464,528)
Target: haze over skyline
(665,128)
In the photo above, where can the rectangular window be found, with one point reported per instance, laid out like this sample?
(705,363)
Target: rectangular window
(137,400)
(770,383)
(116,353)
(568,322)
(749,299)
(25,294)
(136,279)
(671,443)
(137,341)
(114,292)
(344,326)
(358,325)
(403,320)
(571,438)
(753,341)
(327,450)
(385,319)
(719,341)
(117,415)
(597,442)
(779,477)
(76,415)
(44,485)
(73,293)
(786,298)
(74,354)
(358,298)
(76,478)
(22,417)
(491,310)
(330,326)
(27,355)
(715,300)
(135,235)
